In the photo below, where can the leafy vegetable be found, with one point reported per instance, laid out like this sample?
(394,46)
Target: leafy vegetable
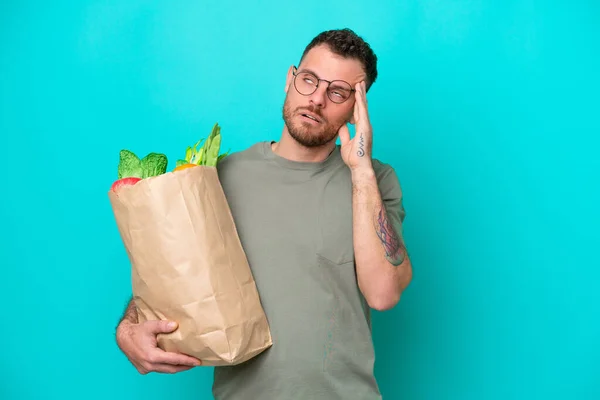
(214,145)
(154,164)
(129,165)
(208,153)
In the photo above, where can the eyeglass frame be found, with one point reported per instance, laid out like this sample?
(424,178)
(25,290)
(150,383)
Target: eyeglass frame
(295,73)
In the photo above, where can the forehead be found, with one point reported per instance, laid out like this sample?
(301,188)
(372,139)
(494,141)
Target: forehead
(330,66)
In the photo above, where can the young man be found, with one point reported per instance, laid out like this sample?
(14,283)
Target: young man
(321,226)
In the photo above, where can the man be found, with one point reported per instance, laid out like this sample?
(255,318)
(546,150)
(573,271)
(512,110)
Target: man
(321,225)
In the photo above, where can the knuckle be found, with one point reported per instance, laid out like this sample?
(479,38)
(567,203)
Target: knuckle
(147,367)
(151,358)
(141,369)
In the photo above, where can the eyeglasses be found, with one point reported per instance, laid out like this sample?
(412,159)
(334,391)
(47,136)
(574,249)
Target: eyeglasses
(307,83)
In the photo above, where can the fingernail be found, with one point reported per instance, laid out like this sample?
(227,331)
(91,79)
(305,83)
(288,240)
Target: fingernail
(172,325)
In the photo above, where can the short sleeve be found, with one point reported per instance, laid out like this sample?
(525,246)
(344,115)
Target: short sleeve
(391,195)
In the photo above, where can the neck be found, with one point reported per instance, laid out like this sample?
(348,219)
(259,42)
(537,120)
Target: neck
(290,149)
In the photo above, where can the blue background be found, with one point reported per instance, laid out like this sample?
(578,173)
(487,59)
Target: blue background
(488,110)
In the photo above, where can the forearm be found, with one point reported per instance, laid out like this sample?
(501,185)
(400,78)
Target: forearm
(382,264)
(130,314)
(130,317)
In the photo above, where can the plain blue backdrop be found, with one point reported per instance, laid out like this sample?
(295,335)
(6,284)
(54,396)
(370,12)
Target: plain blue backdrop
(488,110)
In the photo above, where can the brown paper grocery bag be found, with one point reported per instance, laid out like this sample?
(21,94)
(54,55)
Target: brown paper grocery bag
(188,265)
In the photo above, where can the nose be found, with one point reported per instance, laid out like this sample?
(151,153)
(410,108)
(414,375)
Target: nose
(319,97)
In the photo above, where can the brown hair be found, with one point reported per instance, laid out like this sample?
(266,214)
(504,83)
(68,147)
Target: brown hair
(346,43)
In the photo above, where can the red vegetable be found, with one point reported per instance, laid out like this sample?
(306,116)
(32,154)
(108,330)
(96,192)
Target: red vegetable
(124,182)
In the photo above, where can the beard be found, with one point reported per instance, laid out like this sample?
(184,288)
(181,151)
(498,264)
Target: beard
(307,134)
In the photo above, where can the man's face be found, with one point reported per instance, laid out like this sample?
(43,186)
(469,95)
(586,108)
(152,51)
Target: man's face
(300,111)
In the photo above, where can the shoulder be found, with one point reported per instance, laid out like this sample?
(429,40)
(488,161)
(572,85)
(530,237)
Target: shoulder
(386,174)
(243,165)
(239,159)
(390,188)
(252,152)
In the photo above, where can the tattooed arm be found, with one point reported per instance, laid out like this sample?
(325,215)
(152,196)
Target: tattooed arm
(383,267)
(382,263)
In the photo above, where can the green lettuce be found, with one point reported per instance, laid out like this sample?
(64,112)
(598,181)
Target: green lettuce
(130,165)
(154,164)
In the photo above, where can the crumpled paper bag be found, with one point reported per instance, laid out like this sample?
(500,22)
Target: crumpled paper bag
(188,265)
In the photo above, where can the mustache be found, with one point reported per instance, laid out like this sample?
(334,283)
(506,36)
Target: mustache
(311,109)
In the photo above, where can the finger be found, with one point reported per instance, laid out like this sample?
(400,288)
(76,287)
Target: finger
(160,326)
(169,369)
(165,357)
(361,103)
(362,99)
(344,133)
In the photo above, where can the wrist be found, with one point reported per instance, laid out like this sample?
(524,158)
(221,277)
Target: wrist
(123,330)
(124,324)
(363,173)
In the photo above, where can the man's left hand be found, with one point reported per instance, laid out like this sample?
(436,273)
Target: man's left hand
(356,152)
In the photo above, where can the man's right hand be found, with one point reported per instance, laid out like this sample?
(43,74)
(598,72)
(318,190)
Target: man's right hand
(139,343)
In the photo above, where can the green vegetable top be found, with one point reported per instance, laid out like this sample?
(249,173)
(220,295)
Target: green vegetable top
(155,164)
(207,154)
(130,165)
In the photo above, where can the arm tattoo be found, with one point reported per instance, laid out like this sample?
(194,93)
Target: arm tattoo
(361,146)
(394,248)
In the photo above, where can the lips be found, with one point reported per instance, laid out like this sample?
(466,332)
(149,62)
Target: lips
(310,116)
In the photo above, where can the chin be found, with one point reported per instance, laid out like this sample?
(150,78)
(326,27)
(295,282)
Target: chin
(310,139)
(306,134)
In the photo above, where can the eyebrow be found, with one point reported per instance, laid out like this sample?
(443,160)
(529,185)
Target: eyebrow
(310,71)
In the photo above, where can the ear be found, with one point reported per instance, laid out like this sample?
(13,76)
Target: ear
(290,77)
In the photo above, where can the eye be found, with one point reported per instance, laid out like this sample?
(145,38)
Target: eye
(341,93)
(309,79)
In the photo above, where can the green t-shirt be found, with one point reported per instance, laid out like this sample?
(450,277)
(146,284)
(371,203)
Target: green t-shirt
(294,220)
